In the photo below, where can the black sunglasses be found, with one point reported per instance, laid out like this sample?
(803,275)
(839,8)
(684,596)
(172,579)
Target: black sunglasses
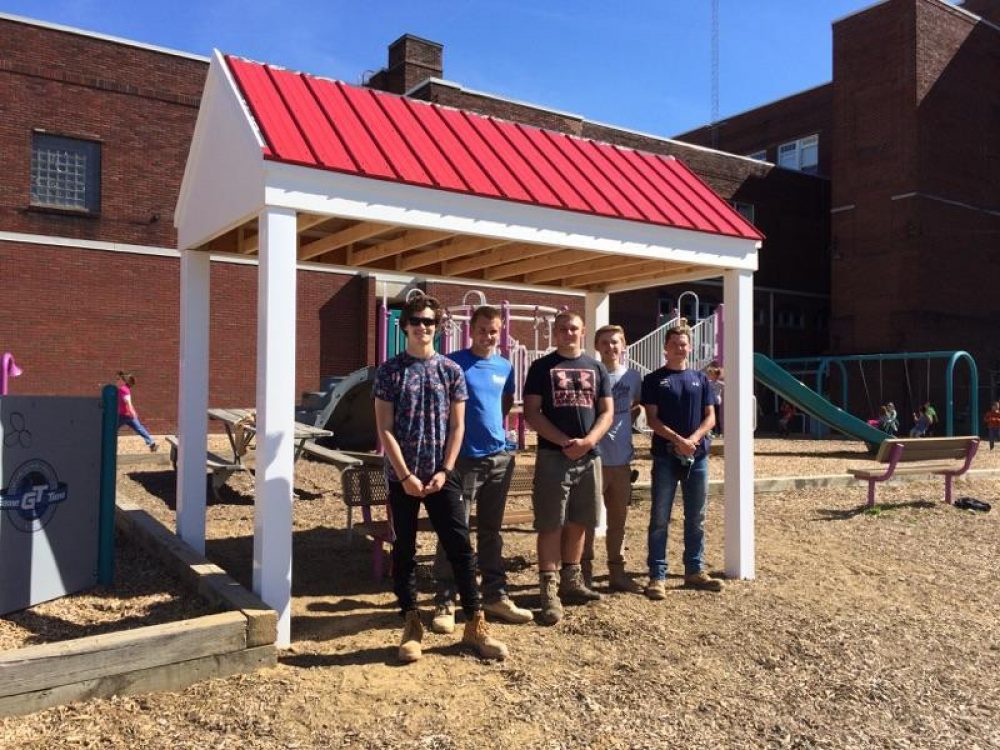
(426,322)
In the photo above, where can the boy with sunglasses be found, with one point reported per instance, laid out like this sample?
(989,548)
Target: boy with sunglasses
(419,412)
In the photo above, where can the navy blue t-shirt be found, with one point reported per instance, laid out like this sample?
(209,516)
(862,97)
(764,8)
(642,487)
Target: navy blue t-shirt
(680,397)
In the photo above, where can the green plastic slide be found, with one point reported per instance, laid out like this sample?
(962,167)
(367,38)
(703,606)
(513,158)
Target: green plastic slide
(805,399)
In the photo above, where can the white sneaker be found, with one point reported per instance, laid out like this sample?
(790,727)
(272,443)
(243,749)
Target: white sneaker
(505,610)
(444,619)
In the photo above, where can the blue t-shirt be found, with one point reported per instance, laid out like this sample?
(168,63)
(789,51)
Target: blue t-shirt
(421,392)
(616,445)
(680,397)
(487,380)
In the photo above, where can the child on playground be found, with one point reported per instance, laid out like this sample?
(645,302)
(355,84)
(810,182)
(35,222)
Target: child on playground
(127,415)
(920,423)
(787,411)
(992,419)
(887,420)
(714,373)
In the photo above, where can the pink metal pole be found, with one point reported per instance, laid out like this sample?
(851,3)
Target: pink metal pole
(466,334)
(8,369)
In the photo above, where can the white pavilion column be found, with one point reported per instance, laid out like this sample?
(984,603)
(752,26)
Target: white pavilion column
(597,313)
(272,539)
(738,418)
(192,397)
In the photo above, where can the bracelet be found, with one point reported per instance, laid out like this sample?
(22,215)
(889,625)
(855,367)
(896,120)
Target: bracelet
(409,474)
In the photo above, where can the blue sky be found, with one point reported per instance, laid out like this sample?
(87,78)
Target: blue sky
(643,65)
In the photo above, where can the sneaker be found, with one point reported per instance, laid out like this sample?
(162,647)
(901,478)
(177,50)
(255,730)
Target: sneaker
(477,635)
(552,609)
(505,610)
(444,619)
(702,581)
(656,589)
(153,447)
(413,633)
(572,588)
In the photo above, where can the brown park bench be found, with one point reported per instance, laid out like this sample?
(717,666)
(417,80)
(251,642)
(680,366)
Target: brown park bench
(219,467)
(949,457)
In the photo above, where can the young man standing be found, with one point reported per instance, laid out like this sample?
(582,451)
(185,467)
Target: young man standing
(567,401)
(485,468)
(419,411)
(616,457)
(680,410)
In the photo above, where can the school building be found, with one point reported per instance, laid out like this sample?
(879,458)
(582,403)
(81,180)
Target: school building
(877,194)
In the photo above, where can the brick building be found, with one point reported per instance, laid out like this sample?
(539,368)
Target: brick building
(907,136)
(856,219)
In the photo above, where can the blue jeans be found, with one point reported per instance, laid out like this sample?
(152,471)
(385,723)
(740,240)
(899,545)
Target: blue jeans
(136,425)
(667,473)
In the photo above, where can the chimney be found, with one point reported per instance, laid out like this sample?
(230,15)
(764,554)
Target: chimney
(411,60)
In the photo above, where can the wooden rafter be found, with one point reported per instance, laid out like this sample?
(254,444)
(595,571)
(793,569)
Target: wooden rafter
(625,273)
(360,231)
(494,257)
(408,241)
(303,222)
(554,259)
(455,248)
(606,263)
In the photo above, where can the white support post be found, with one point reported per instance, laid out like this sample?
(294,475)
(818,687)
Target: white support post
(192,397)
(738,408)
(272,539)
(597,313)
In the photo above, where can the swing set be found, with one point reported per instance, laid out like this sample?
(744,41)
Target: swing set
(917,391)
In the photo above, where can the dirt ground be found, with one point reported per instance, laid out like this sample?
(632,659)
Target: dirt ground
(874,629)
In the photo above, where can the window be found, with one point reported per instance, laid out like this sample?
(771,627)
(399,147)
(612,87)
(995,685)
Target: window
(759,316)
(759,155)
(65,173)
(746,210)
(666,306)
(791,318)
(801,155)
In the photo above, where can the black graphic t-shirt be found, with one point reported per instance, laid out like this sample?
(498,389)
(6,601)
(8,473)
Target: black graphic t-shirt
(570,388)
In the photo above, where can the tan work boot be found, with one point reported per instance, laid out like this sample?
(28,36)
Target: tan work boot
(505,609)
(618,579)
(656,589)
(702,581)
(572,588)
(587,571)
(552,610)
(477,635)
(444,619)
(413,633)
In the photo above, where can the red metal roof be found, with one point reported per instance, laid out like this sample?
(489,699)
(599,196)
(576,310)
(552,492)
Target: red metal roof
(330,125)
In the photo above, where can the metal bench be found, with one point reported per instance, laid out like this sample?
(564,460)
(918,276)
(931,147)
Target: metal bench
(219,467)
(948,457)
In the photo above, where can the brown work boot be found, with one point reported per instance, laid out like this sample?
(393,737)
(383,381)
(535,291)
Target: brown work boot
(552,610)
(413,633)
(572,589)
(444,619)
(505,609)
(656,589)
(618,579)
(587,571)
(702,581)
(477,635)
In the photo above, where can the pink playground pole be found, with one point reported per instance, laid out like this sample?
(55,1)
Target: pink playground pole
(719,330)
(8,369)
(466,334)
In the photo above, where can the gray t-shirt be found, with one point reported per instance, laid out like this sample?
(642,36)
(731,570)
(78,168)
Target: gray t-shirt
(616,445)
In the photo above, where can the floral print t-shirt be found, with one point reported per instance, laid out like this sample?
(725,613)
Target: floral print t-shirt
(421,391)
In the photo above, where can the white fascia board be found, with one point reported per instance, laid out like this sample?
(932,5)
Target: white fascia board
(223,183)
(365,199)
(682,277)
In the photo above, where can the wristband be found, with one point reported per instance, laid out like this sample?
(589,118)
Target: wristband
(409,474)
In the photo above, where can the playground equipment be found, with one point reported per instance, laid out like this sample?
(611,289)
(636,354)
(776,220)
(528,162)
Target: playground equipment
(821,369)
(57,495)
(8,369)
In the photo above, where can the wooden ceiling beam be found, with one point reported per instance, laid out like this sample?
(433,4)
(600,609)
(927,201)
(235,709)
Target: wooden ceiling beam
(609,263)
(411,239)
(554,259)
(363,230)
(635,271)
(455,248)
(495,257)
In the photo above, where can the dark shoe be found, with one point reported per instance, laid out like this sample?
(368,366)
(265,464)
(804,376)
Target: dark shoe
(552,609)
(702,581)
(572,589)
(970,503)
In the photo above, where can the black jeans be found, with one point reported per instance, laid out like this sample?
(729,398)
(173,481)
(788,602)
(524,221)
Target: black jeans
(446,511)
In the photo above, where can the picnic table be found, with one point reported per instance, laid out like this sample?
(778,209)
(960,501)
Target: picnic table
(241,428)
